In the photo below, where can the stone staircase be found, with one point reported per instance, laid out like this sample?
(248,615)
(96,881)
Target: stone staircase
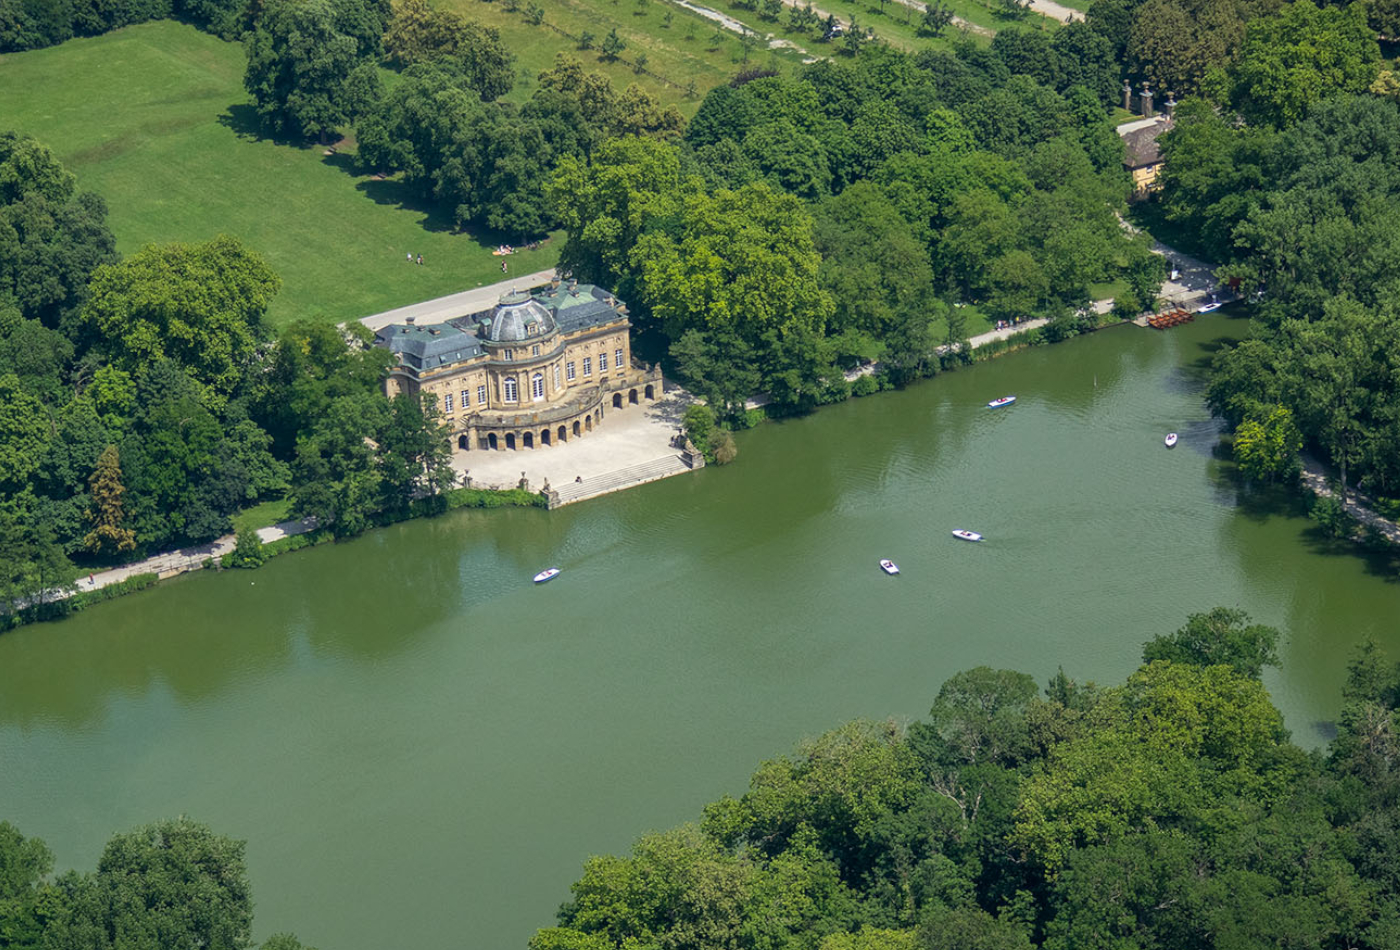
(663,467)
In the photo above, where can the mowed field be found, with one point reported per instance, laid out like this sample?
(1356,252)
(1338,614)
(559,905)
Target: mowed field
(155,120)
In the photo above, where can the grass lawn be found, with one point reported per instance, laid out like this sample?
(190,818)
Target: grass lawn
(155,120)
(680,57)
(263,515)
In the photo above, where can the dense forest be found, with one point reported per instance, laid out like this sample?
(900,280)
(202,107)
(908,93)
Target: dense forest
(1303,217)
(1171,811)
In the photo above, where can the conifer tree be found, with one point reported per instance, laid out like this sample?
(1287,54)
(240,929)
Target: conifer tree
(105,512)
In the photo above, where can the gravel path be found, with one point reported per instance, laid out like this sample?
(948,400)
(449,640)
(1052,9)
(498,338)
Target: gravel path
(1315,480)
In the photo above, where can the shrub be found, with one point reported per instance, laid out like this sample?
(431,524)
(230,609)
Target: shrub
(865,385)
(1329,513)
(699,422)
(724,449)
(248,550)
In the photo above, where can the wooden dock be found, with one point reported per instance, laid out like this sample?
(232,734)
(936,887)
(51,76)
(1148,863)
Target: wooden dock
(1170,318)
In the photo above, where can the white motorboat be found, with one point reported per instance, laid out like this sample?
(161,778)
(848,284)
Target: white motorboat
(543,576)
(1003,401)
(967,535)
(1210,305)
(1170,440)
(889,567)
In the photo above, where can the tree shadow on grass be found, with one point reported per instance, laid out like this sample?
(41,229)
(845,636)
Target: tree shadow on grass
(396,193)
(242,119)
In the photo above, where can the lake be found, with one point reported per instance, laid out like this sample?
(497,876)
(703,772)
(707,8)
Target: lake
(421,747)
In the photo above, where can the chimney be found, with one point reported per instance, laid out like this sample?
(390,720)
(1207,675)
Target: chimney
(1146,102)
(409,321)
(554,283)
(1127,97)
(573,284)
(1171,106)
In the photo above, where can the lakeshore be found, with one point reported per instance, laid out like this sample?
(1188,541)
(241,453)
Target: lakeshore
(414,698)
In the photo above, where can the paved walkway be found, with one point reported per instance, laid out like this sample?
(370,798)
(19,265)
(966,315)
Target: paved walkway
(184,559)
(1357,503)
(456,305)
(630,436)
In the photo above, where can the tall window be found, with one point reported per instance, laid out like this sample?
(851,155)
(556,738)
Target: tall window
(617,359)
(481,395)
(537,386)
(447,402)
(466,398)
(556,376)
(511,393)
(510,354)
(603,362)
(535,350)
(588,366)
(569,370)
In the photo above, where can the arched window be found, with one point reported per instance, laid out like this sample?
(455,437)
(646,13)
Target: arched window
(511,393)
(537,386)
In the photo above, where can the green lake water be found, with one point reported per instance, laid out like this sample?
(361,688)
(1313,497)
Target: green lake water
(421,747)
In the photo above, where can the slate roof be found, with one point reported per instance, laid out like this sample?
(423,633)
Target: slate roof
(427,348)
(581,306)
(518,317)
(1141,147)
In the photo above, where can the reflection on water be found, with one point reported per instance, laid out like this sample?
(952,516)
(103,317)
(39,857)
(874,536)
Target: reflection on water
(406,717)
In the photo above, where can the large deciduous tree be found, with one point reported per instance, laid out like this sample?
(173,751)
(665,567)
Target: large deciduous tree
(1222,636)
(1303,54)
(201,305)
(300,68)
(51,237)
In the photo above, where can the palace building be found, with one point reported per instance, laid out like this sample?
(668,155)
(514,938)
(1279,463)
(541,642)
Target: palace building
(536,370)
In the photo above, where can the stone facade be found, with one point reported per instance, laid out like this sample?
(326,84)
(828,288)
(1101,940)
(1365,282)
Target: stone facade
(536,370)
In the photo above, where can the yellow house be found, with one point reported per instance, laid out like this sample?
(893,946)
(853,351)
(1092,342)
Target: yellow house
(1142,154)
(535,370)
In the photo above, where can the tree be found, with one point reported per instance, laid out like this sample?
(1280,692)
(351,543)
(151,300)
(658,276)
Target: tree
(338,481)
(1303,54)
(612,45)
(105,512)
(605,205)
(979,716)
(1223,636)
(1173,44)
(737,262)
(24,432)
(1268,447)
(419,33)
(936,18)
(299,64)
(415,456)
(24,864)
(873,266)
(170,884)
(51,236)
(248,549)
(199,304)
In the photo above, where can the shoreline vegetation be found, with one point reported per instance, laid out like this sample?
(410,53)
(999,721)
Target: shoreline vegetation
(247,551)
(1159,812)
